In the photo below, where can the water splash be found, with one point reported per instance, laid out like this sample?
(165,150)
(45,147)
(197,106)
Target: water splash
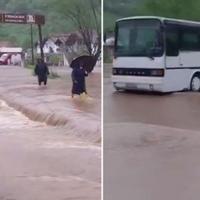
(12,119)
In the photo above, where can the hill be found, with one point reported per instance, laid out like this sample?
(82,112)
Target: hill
(114,9)
(182,9)
(55,22)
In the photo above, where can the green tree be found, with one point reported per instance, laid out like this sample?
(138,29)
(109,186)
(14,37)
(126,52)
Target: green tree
(182,9)
(86,18)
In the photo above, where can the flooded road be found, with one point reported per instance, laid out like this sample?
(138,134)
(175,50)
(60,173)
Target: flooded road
(45,163)
(178,110)
(151,145)
(12,119)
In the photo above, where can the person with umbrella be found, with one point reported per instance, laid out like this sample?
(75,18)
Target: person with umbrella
(42,71)
(78,79)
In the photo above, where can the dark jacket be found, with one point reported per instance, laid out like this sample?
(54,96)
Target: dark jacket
(78,79)
(42,71)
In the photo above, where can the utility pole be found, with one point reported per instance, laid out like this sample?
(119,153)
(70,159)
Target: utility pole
(41,42)
(32,48)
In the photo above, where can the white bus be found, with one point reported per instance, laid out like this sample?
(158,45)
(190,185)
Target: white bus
(156,54)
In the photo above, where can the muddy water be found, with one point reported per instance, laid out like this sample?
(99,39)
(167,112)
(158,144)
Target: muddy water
(150,162)
(178,110)
(45,163)
(12,119)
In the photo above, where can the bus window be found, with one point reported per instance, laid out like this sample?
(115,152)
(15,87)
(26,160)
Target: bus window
(190,41)
(139,38)
(123,39)
(172,42)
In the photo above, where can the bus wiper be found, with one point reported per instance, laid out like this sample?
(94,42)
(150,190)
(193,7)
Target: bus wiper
(150,55)
(153,51)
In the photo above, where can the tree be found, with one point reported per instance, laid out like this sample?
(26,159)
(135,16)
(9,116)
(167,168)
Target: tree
(86,17)
(183,9)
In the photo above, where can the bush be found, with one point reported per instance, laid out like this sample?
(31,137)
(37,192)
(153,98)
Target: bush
(51,59)
(55,59)
(108,57)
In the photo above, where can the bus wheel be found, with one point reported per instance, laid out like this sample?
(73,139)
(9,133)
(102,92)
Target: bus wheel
(195,83)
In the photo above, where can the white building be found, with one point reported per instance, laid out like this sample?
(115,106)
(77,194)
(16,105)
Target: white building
(69,44)
(15,54)
(49,47)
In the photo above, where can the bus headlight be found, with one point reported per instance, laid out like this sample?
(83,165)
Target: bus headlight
(157,72)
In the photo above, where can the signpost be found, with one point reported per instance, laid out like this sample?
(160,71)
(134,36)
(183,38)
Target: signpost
(22,18)
(25,19)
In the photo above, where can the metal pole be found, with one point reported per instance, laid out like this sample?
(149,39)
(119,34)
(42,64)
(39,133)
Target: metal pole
(40,38)
(32,49)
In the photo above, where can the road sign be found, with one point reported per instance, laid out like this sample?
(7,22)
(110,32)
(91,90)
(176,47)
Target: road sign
(10,18)
(22,18)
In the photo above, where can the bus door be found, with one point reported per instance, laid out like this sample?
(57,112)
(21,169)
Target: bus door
(173,72)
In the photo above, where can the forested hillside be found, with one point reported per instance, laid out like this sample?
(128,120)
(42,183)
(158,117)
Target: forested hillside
(55,21)
(185,9)
(114,9)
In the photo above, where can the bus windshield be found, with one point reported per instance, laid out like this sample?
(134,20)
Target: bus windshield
(139,37)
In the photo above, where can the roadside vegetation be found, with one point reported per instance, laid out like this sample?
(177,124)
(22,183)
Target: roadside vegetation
(61,16)
(182,9)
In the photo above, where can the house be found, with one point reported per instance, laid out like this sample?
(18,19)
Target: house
(109,42)
(109,39)
(69,44)
(57,42)
(49,46)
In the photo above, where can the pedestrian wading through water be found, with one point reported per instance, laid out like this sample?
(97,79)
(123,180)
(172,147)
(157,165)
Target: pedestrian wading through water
(78,80)
(42,71)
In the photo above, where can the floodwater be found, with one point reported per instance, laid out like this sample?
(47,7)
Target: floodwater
(151,145)
(12,119)
(45,163)
(178,110)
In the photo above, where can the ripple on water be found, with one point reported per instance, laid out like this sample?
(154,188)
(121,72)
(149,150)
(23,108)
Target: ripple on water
(12,119)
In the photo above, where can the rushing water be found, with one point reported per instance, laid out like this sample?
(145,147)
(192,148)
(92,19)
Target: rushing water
(45,157)
(12,119)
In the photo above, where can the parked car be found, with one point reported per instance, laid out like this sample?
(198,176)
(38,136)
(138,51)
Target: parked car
(5,59)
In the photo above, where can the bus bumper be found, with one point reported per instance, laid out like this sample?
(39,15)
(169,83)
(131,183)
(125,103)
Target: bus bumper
(138,83)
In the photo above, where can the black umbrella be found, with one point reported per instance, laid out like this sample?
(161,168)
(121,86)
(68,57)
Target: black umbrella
(88,62)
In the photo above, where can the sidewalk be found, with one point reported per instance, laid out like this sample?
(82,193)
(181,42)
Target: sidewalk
(54,105)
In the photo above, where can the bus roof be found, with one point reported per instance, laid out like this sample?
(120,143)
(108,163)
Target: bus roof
(161,19)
